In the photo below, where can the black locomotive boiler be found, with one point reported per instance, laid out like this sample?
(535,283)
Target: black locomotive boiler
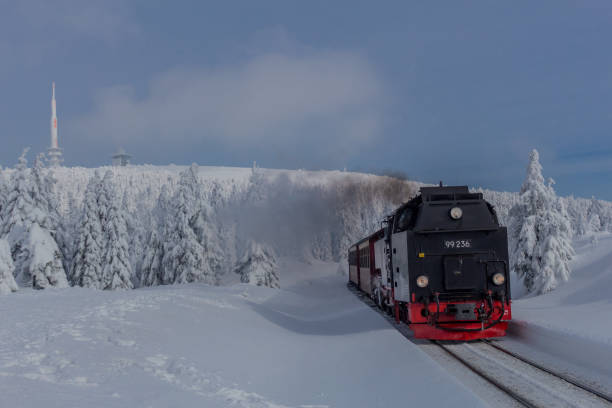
(439,264)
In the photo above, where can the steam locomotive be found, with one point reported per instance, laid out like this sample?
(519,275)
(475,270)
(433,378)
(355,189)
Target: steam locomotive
(440,264)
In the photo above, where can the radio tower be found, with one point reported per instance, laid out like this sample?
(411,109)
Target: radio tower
(54,153)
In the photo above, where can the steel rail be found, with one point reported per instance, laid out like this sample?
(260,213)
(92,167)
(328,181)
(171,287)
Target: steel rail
(486,377)
(563,377)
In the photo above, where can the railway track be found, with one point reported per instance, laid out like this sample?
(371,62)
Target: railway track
(524,381)
(574,382)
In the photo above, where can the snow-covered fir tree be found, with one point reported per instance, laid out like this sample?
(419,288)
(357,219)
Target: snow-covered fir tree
(67,231)
(136,232)
(151,266)
(116,265)
(183,260)
(44,268)
(208,237)
(540,233)
(87,261)
(3,193)
(7,281)
(577,215)
(29,223)
(258,266)
(594,216)
(18,207)
(606,219)
(42,187)
(218,235)
(151,270)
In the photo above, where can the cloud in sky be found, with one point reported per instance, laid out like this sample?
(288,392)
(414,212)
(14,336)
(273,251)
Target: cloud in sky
(317,103)
(34,31)
(106,21)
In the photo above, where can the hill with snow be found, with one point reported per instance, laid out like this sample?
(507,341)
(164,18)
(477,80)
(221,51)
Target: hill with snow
(307,215)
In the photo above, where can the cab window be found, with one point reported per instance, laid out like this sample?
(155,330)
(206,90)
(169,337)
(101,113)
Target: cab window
(404,219)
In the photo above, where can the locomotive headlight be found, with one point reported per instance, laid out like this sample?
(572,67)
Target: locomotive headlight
(456,213)
(422,281)
(499,279)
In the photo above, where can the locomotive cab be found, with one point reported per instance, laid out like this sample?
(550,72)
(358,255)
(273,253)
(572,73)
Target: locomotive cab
(449,261)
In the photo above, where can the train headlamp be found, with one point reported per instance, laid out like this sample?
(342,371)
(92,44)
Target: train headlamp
(499,279)
(422,281)
(456,213)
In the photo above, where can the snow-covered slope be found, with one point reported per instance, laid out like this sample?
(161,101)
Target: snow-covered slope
(586,298)
(571,327)
(312,344)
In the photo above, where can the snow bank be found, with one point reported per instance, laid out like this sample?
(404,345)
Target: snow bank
(312,344)
(571,325)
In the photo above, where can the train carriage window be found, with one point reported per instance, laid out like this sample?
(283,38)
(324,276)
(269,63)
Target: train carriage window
(353,258)
(364,258)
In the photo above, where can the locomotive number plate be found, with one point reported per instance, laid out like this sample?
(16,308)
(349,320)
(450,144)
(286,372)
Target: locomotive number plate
(458,243)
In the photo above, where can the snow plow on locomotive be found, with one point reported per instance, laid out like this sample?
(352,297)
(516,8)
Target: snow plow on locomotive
(439,264)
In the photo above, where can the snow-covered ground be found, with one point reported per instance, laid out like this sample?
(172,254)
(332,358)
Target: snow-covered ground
(571,327)
(310,344)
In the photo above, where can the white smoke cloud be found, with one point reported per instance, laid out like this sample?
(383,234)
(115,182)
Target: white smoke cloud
(328,100)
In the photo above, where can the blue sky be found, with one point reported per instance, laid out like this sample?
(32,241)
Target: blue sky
(452,91)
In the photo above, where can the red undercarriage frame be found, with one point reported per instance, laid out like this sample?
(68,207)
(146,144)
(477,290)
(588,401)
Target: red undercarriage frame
(448,328)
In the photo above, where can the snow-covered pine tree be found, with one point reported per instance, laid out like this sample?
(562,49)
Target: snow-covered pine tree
(136,233)
(151,269)
(45,268)
(540,233)
(576,215)
(183,260)
(151,265)
(116,266)
(29,223)
(594,214)
(67,231)
(19,205)
(42,187)
(217,236)
(3,193)
(208,237)
(606,220)
(258,266)
(87,261)
(7,281)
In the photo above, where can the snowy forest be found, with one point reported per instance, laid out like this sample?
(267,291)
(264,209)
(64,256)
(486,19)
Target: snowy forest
(129,227)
